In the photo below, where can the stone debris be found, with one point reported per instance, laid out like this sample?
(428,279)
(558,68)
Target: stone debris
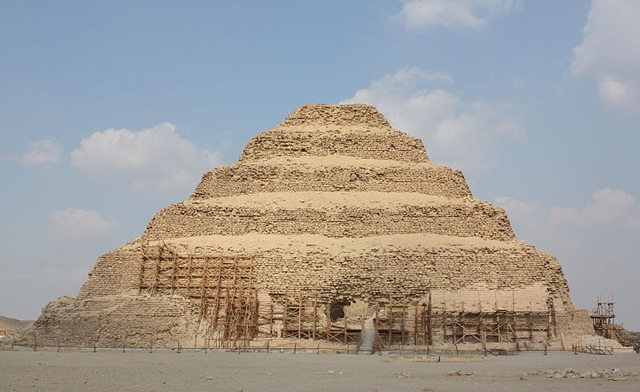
(402,375)
(614,374)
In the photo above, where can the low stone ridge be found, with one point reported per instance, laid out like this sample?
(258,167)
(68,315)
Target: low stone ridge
(329,222)
(8,324)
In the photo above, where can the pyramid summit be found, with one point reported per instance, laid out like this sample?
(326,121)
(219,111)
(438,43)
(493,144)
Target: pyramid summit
(332,227)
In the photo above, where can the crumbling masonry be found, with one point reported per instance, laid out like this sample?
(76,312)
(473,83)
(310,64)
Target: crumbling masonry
(330,225)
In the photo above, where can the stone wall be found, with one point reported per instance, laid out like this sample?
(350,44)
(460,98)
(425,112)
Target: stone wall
(515,274)
(574,323)
(114,321)
(117,272)
(486,297)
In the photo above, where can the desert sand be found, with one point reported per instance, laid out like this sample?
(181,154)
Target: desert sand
(168,370)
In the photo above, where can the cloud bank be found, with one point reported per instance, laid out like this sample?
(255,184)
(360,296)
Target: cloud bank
(596,243)
(470,14)
(462,133)
(39,153)
(607,207)
(607,210)
(77,224)
(610,54)
(157,158)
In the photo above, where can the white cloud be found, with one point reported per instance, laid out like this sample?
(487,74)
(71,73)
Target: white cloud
(41,152)
(463,134)
(77,224)
(155,158)
(608,207)
(473,14)
(610,53)
(596,245)
(515,208)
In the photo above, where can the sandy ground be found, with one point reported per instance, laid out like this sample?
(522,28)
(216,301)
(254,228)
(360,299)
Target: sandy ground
(140,370)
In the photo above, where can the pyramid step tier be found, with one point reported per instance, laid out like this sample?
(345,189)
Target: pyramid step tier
(353,142)
(319,115)
(329,174)
(408,264)
(332,214)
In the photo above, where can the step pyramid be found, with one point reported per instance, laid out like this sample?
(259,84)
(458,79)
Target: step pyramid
(329,219)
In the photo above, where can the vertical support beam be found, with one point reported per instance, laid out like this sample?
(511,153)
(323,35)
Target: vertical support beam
(345,330)
(256,306)
(483,338)
(203,291)
(173,273)
(377,322)
(498,322)
(156,281)
(142,265)
(403,324)
(429,324)
(415,324)
(329,322)
(300,310)
(285,316)
(391,321)
(190,265)
(271,319)
(315,316)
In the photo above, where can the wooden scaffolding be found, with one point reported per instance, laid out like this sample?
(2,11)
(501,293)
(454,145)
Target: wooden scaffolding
(395,324)
(499,326)
(401,321)
(224,288)
(304,316)
(603,318)
(223,285)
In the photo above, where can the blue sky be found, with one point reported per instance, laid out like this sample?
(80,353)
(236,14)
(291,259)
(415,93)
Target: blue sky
(110,111)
